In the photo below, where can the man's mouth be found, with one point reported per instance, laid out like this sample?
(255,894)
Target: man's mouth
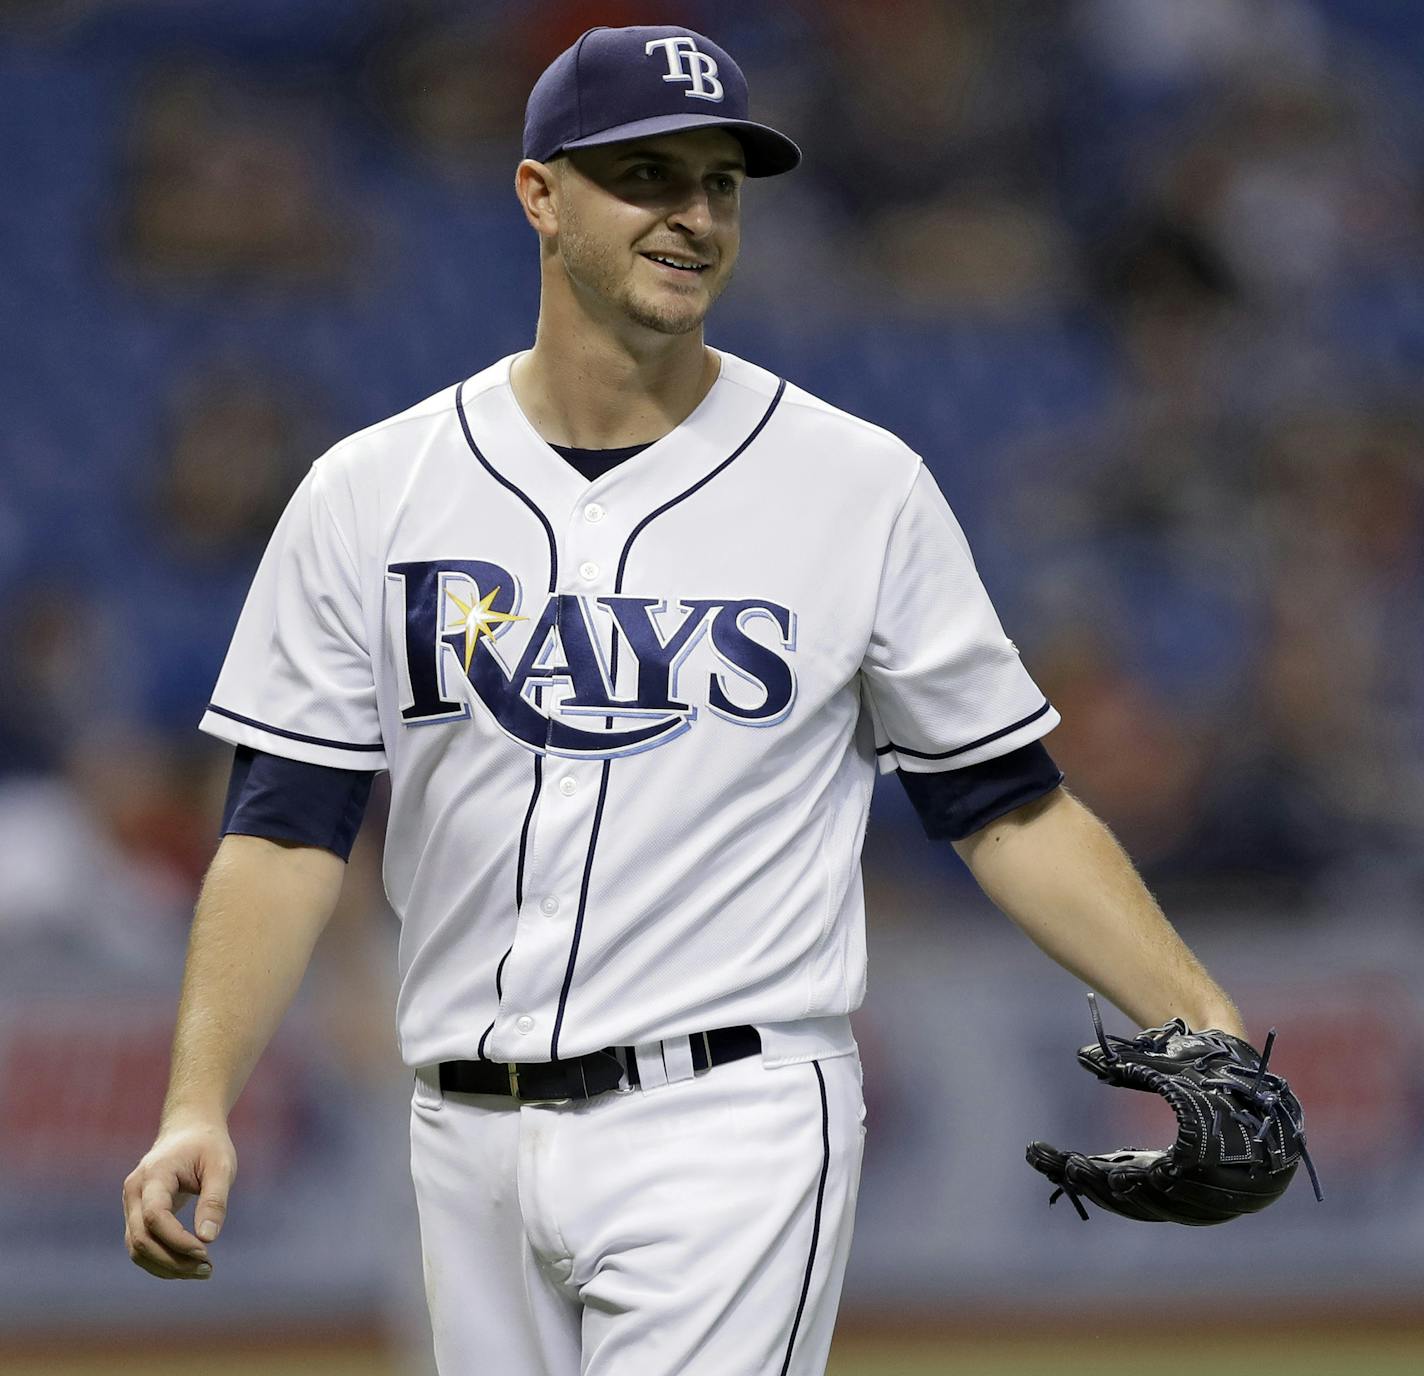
(689,266)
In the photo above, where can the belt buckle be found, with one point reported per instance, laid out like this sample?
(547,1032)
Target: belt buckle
(519,1095)
(626,1058)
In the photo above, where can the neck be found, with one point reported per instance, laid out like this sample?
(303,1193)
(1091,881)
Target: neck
(593,387)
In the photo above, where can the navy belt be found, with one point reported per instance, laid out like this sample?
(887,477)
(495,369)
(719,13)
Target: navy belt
(585,1076)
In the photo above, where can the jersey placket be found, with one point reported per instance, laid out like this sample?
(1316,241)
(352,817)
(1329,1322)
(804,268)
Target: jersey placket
(561,862)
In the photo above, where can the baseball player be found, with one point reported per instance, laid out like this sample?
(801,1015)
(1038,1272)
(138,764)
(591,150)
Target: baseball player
(631,623)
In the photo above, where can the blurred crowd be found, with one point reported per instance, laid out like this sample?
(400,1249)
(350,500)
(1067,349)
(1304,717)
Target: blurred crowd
(1143,281)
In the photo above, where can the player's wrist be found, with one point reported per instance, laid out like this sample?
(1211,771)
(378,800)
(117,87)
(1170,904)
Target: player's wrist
(1221,1018)
(185,1114)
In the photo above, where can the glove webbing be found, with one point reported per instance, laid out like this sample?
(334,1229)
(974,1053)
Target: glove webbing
(1263,1093)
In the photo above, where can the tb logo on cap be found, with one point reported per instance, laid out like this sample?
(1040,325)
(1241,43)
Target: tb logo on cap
(687,62)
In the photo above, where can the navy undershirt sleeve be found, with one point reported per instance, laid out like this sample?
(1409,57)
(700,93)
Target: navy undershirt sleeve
(287,800)
(955,803)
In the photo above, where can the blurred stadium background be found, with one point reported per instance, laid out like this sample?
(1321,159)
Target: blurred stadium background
(1144,282)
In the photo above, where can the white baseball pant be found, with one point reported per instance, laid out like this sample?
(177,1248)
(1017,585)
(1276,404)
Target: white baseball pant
(698,1227)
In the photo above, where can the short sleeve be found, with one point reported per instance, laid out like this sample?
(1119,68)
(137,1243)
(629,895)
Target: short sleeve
(943,685)
(298,680)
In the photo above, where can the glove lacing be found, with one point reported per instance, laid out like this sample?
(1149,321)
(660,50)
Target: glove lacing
(1263,1094)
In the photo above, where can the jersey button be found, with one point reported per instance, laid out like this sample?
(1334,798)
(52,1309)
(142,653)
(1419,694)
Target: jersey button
(524,1024)
(593,513)
(549,905)
(589,571)
(568,786)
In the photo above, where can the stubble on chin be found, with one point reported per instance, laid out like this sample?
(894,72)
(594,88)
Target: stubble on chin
(596,269)
(654,315)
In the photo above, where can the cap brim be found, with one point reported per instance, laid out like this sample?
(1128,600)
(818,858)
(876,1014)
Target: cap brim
(768,153)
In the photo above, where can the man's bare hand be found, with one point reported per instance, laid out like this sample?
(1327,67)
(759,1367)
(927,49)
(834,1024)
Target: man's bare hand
(262,907)
(187,1159)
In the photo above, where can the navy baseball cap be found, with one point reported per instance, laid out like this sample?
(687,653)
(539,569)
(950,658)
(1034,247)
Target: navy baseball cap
(618,84)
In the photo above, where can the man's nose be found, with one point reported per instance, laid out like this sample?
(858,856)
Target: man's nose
(693,213)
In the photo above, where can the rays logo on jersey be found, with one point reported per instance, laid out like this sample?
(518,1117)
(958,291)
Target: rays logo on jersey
(463,615)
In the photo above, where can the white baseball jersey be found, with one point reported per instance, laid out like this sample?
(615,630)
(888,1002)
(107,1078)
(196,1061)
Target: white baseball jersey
(631,725)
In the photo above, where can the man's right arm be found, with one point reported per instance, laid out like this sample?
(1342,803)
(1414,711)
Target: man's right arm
(262,908)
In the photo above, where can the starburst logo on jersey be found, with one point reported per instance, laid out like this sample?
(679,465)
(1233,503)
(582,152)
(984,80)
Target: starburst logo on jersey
(478,616)
(547,676)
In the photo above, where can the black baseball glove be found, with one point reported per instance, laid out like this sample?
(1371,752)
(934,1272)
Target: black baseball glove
(1240,1130)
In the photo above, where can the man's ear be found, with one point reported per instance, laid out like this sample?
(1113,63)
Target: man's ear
(537,186)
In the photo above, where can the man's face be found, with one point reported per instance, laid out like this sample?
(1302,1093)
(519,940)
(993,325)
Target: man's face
(626,206)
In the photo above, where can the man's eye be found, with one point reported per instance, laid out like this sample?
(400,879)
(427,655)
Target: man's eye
(648,171)
(726,185)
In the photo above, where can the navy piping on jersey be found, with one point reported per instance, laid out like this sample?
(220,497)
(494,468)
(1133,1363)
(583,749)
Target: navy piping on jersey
(700,483)
(498,999)
(613,676)
(518,883)
(289,735)
(960,749)
(538,759)
(524,830)
(505,482)
(582,907)
(816,1222)
(681,496)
